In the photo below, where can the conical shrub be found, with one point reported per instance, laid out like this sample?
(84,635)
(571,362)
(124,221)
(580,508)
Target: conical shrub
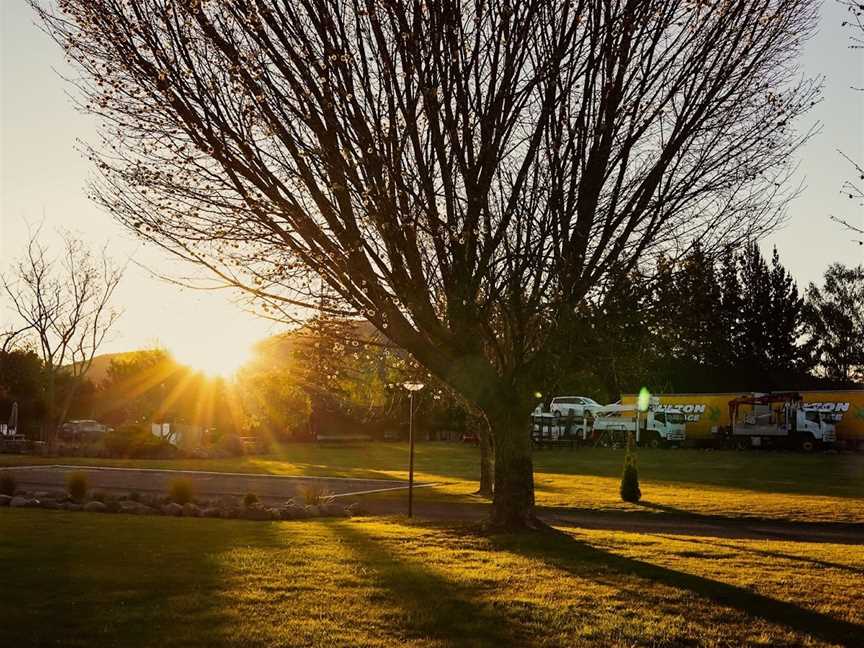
(630,491)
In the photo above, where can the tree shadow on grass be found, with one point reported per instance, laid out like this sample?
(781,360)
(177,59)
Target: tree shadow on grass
(431,606)
(779,554)
(764,527)
(562,551)
(82,579)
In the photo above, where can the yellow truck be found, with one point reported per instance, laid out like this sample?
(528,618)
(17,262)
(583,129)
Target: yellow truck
(704,413)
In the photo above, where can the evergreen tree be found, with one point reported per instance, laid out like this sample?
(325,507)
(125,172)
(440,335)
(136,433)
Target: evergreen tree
(752,336)
(698,298)
(629,488)
(835,323)
(729,310)
(785,324)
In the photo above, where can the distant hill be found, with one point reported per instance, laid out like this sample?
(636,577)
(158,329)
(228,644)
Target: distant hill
(99,369)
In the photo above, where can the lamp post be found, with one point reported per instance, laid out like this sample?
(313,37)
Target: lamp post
(411,387)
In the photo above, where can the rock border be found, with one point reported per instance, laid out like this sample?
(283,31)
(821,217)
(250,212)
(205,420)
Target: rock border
(228,508)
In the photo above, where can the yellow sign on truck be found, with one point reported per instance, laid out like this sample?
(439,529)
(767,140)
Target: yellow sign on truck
(701,411)
(704,412)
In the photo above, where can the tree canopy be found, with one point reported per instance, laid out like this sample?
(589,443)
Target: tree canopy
(461,174)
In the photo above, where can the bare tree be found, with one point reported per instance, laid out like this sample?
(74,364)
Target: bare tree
(65,304)
(852,189)
(462,174)
(10,337)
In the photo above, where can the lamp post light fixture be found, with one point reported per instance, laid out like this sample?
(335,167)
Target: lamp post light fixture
(411,387)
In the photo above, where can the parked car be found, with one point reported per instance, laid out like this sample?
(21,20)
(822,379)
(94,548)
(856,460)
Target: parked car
(82,430)
(573,405)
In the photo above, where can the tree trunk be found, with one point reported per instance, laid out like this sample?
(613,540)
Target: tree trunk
(513,499)
(487,459)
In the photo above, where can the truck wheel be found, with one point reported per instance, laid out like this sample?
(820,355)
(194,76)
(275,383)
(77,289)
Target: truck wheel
(807,443)
(655,442)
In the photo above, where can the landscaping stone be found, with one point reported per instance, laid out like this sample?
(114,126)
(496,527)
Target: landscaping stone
(255,513)
(5,499)
(355,509)
(230,512)
(172,508)
(112,506)
(291,512)
(132,508)
(312,511)
(95,507)
(72,506)
(211,512)
(191,510)
(334,510)
(22,502)
(51,504)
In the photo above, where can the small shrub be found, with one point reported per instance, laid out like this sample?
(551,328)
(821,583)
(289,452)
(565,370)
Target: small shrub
(232,445)
(77,485)
(134,496)
(8,485)
(630,491)
(316,496)
(250,499)
(99,496)
(181,490)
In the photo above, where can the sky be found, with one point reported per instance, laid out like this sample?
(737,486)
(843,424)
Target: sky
(43,179)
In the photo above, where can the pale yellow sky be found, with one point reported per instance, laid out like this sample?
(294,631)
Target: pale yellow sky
(42,176)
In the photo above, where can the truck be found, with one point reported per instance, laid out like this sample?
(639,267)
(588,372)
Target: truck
(778,419)
(568,419)
(847,406)
(704,413)
(608,425)
(657,427)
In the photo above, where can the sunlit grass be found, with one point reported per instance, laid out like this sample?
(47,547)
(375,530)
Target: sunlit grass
(80,580)
(787,486)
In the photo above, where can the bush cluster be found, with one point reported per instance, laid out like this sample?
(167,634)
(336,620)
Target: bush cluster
(232,445)
(181,490)
(250,499)
(315,496)
(136,442)
(77,485)
(7,483)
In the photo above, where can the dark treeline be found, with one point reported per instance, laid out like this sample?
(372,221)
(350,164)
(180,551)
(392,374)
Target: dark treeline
(733,323)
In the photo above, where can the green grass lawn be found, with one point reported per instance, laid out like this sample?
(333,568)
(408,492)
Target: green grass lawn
(785,486)
(102,580)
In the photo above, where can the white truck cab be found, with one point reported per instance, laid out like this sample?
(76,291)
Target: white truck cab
(656,427)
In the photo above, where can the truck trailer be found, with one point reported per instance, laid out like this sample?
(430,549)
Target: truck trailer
(707,412)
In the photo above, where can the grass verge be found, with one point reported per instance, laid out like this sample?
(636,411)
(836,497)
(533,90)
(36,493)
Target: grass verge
(82,580)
